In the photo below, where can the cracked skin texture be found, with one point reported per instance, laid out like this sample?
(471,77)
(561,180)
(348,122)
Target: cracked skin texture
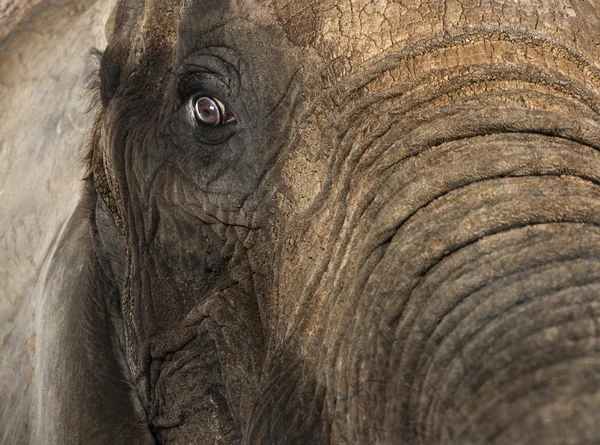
(397,242)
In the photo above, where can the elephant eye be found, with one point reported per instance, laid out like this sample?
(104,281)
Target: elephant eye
(210,111)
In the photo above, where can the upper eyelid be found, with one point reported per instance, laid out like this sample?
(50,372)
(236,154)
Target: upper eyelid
(193,70)
(215,64)
(213,52)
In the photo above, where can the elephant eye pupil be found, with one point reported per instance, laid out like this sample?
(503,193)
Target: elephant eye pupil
(210,111)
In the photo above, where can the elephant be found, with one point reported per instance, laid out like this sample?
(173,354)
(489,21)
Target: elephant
(316,222)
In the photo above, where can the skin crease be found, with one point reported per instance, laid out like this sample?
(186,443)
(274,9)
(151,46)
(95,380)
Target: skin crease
(397,241)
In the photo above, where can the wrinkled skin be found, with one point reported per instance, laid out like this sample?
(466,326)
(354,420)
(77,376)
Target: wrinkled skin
(397,241)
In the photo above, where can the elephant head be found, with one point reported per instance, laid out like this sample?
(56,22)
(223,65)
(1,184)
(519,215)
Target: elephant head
(341,221)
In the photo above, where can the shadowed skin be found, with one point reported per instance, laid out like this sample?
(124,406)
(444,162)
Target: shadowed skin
(397,241)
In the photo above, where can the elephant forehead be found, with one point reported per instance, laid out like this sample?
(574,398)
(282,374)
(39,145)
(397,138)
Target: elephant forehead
(344,34)
(339,27)
(153,33)
(336,27)
(367,26)
(359,26)
(350,32)
(158,27)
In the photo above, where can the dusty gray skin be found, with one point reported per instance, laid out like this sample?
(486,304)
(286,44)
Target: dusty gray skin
(397,241)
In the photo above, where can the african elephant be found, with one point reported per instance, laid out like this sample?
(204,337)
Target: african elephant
(362,222)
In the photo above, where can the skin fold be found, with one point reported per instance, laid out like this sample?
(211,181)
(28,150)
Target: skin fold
(396,242)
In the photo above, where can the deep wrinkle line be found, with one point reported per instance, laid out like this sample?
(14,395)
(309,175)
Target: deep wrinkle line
(285,94)
(459,273)
(115,319)
(444,40)
(557,290)
(215,52)
(367,274)
(430,412)
(438,260)
(447,140)
(472,290)
(556,364)
(584,391)
(398,226)
(194,70)
(555,293)
(363,209)
(540,268)
(194,67)
(475,241)
(460,82)
(316,279)
(548,133)
(484,134)
(430,360)
(478,132)
(573,105)
(537,368)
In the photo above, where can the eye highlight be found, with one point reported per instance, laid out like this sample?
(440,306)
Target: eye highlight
(210,111)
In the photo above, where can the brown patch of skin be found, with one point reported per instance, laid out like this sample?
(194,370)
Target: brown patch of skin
(397,242)
(369,208)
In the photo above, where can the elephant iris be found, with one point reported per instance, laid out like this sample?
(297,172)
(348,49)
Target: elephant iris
(210,111)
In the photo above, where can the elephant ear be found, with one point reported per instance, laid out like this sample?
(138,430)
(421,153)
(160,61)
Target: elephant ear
(43,123)
(79,347)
